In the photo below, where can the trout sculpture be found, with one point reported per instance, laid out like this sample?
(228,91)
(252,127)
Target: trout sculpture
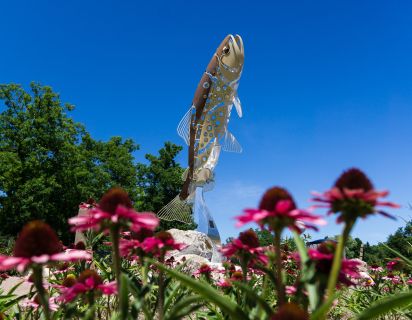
(204,128)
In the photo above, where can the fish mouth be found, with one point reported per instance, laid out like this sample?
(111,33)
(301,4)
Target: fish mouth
(233,62)
(239,41)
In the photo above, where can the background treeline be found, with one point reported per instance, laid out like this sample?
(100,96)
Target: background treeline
(400,241)
(49,164)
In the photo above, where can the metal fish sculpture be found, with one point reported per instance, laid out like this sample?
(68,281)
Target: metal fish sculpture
(204,128)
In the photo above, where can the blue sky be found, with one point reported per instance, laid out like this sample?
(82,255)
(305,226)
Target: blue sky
(326,85)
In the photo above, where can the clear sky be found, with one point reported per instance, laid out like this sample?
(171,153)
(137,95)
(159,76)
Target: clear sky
(326,85)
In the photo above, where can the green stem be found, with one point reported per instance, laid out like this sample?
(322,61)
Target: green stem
(108,307)
(161,291)
(279,283)
(337,259)
(114,234)
(41,292)
(143,271)
(243,265)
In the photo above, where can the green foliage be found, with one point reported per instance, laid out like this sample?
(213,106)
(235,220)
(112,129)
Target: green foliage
(386,305)
(265,237)
(160,181)
(228,306)
(353,247)
(400,241)
(49,163)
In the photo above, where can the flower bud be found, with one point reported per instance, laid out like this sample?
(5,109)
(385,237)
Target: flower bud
(37,238)
(113,198)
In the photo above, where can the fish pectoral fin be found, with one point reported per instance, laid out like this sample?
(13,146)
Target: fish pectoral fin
(230,144)
(183,129)
(238,106)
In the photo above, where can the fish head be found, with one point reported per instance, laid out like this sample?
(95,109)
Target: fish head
(230,55)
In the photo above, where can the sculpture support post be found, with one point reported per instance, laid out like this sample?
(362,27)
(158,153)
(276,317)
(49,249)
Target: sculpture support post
(206,224)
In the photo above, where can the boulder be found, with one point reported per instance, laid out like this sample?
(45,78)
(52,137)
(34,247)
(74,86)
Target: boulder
(197,243)
(192,262)
(23,287)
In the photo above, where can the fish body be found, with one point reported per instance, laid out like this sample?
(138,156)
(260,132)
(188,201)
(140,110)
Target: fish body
(207,120)
(204,127)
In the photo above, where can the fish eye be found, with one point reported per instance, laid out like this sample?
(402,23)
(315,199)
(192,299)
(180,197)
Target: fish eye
(226,50)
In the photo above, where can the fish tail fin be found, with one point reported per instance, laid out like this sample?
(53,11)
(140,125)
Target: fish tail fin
(177,209)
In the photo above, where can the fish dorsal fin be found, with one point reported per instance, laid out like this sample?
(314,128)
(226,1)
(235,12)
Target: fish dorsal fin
(183,129)
(230,144)
(238,106)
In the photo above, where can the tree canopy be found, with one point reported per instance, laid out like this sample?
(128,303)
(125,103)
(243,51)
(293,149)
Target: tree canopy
(160,181)
(49,163)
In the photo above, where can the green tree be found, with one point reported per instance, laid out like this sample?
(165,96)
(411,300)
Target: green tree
(373,254)
(265,237)
(160,181)
(353,248)
(401,241)
(49,163)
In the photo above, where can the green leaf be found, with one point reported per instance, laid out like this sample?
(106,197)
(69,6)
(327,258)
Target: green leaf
(386,305)
(171,295)
(322,311)
(185,307)
(269,273)
(90,313)
(307,271)
(208,293)
(101,265)
(124,296)
(252,295)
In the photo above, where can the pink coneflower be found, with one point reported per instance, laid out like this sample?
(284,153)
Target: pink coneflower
(236,276)
(353,195)
(409,282)
(375,268)
(162,242)
(4,275)
(323,258)
(38,244)
(247,244)
(393,278)
(204,270)
(131,242)
(90,203)
(369,282)
(395,264)
(290,290)
(88,281)
(277,210)
(35,303)
(115,208)
(223,283)
(69,281)
(127,246)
